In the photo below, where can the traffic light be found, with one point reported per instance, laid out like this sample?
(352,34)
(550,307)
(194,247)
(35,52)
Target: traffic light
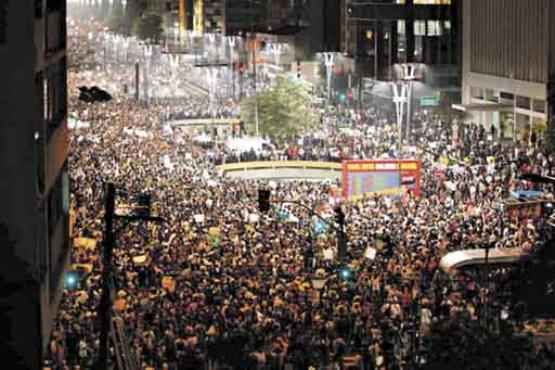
(341,237)
(143,204)
(339,217)
(345,273)
(264,200)
(342,98)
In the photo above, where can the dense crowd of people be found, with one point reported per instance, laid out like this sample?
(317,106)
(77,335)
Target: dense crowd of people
(221,283)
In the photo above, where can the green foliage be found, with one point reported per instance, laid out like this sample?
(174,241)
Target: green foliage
(465,344)
(550,136)
(116,20)
(283,110)
(149,26)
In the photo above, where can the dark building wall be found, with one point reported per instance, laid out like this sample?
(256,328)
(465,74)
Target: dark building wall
(511,38)
(34,187)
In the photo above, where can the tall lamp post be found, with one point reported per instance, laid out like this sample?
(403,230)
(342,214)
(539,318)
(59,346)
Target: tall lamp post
(277,50)
(232,42)
(147,50)
(400,93)
(329,62)
(408,76)
(211,78)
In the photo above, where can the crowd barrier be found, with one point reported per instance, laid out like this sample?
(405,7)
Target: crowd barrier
(246,166)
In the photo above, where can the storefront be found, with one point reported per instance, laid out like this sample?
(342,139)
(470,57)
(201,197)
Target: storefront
(515,117)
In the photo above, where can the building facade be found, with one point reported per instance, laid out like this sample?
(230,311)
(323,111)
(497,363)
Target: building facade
(508,64)
(379,34)
(34,183)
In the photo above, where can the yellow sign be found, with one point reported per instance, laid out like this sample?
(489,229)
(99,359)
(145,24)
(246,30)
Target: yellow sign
(168,283)
(84,243)
(409,166)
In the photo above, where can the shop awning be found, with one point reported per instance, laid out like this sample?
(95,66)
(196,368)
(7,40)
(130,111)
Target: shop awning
(483,107)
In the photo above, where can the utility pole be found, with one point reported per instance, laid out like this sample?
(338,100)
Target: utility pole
(105,306)
(105,309)
(253,36)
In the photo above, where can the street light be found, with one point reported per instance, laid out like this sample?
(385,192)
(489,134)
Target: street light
(232,42)
(408,76)
(329,62)
(400,93)
(276,49)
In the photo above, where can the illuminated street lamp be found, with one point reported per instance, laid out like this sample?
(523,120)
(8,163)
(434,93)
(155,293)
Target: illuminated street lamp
(400,93)
(211,79)
(329,62)
(232,42)
(276,50)
(408,76)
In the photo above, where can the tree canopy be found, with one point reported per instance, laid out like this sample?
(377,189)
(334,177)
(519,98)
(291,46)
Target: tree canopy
(283,110)
(466,344)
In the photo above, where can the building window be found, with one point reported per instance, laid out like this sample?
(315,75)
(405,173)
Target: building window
(523,102)
(538,106)
(490,95)
(401,27)
(38,8)
(477,93)
(3,21)
(54,5)
(433,2)
(434,28)
(506,96)
(419,28)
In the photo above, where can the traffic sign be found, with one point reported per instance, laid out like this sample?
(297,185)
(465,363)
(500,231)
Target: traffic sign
(429,101)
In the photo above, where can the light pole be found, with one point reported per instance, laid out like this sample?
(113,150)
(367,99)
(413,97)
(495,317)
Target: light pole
(147,50)
(408,76)
(329,62)
(400,93)
(211,78)
(276,50)
(174,66)
(231,42)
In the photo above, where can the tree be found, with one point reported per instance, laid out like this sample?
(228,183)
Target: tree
(283,111)
(465,344)
(116,20)
(148,26)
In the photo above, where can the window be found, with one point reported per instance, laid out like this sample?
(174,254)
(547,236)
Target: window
(46,99)
(419,28)
(477,93)
(434,28)
(401,27)
(523,102)
(3,21)
(433,2)
(53,5)
(38,8)
(490,95)
(538,106)
(506,96)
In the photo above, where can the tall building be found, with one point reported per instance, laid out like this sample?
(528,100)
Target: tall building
(34,185)
(509,65)
(208,15)
(379,34)
(244,15)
